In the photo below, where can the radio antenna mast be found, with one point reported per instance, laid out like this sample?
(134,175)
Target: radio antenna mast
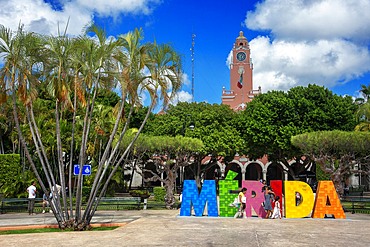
(192,66)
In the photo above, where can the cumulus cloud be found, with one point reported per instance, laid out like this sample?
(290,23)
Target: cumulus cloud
(185,79)
(115,7)
(280,65)
(181,96)
(310,20)
(318,41)
(229,59)
(38,16)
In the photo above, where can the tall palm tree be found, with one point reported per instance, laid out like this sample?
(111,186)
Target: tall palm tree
(19,78)
(363,112)
(130,63)
(363,115)
(164,67)
(365,90)
(82,67)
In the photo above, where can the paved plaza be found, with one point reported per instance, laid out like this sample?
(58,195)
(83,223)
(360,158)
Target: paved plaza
(166,228)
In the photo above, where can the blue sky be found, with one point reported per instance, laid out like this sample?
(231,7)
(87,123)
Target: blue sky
(293,42)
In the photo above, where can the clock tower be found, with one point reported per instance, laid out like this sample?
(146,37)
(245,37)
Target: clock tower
(241,76)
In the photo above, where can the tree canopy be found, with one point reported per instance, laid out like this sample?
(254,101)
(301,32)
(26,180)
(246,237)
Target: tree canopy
(271,119)
(337,152)
(213,124)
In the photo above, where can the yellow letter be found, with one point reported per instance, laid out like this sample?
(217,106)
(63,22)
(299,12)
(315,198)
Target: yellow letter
(307,199)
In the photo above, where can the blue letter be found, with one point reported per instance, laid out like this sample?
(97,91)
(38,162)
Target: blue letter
(191,197)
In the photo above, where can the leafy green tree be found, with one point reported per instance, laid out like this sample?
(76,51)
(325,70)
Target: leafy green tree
(337,152)
(168,154)
(213,125)
(271,119)
(9,170)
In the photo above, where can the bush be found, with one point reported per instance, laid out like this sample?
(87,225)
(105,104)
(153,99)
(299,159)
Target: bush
(159,193)
(141,193)
(13,179)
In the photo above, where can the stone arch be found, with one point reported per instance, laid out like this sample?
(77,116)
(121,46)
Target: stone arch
(214,171)
(253,170)
(276,171)
(235,166)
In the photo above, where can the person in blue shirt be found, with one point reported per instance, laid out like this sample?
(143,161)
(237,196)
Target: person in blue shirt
(45,201)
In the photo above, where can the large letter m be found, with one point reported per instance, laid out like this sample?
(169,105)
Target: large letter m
(191,197)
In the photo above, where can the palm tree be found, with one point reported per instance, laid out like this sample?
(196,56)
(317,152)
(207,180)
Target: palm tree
(164,68)
(19,77)
(81,67)
(363,112)
(130,63)
(365,90)
(363,115)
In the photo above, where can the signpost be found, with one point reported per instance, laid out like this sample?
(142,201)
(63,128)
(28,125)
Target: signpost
(86,170)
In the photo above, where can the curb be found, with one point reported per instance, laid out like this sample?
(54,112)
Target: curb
(25,227)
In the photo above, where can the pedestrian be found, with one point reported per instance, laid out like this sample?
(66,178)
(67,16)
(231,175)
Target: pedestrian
(268,194)
(243,200)
(277,213)
(31,197)
(264,185)
(297,198)
(45,201)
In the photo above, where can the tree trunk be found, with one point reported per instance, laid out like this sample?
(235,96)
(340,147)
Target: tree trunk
(169,198)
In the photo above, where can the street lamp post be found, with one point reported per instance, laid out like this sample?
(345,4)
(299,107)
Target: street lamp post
(191,125)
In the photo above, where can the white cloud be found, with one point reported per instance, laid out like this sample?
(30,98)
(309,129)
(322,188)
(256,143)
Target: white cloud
(280,65)
(115,7)
(318,41)
(38,16)
(181,96)
(310,20)
(229,59)
(185,79)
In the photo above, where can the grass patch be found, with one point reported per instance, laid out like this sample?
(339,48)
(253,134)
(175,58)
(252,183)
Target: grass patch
(43,230)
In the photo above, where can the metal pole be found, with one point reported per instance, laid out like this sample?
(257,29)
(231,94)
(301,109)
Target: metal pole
(192,66)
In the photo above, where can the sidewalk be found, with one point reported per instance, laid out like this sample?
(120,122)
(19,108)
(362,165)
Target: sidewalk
(165,227)
(11,221)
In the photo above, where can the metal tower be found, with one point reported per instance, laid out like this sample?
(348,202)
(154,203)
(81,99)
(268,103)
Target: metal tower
(192,66)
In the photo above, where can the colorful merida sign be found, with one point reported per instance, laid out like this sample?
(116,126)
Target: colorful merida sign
(326,201)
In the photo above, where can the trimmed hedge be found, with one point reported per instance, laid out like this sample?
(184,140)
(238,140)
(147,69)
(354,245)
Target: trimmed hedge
(159,193)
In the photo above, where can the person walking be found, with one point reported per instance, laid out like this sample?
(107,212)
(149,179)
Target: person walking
(277,209)
(269,194)
(31,197)
(243,200)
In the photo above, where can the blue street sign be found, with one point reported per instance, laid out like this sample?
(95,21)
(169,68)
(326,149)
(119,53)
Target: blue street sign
(86,170)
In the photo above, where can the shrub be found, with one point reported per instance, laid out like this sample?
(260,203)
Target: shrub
(141,193)
(159,194)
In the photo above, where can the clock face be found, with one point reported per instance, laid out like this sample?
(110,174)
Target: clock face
(240,56)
